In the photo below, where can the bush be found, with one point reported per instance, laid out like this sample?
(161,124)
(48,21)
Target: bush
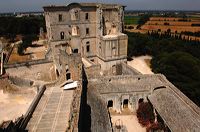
(130,27)
(26,42)
(166,23)
(145,114)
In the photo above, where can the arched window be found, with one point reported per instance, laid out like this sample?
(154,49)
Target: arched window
(141,100)
(62,35)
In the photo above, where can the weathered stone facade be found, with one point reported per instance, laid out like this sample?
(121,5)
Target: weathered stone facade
(91,34)
(93,30)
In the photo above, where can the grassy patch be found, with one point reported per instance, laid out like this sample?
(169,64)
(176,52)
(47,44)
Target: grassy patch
(129,20)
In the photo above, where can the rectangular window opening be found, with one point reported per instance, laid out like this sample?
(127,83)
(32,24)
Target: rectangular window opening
(60,18)
(86,16)
(88,48)
(87,31)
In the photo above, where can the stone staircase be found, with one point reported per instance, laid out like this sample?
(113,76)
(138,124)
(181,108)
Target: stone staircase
(52,112)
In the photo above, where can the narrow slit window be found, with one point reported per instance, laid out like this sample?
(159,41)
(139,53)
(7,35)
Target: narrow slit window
(62,35)
(86,16)
(87,31)
(60,18)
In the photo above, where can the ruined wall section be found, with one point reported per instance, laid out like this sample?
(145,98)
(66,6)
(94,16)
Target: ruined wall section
(70,67)
(126,87)
(93,71)
(75,109)
(124,69)
(100,120)
(21,82)
(27,63)
(38,72)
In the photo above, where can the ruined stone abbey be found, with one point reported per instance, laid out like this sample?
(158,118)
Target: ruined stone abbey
(93,30)
(86,44)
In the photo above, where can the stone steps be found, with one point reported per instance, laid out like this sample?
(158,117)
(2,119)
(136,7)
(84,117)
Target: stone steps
(52,112)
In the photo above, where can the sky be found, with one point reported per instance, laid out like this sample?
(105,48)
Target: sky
(36,5)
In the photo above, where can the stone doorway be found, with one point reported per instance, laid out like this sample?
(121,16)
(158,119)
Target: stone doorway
(125,103)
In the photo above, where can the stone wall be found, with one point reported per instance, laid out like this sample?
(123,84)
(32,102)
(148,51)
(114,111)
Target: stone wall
(126,87)
(124,69)
(75,110)
(93,71)
(100,120)
(20,81)
(27,63)
(37,72)
(69,64)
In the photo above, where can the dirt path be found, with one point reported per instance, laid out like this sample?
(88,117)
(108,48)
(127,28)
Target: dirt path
(13,105)
(142,64)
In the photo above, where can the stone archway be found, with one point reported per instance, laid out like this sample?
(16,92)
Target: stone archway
(141,100)
(125,103)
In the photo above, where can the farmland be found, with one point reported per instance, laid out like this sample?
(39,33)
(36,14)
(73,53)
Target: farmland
(175,25)
(131,20)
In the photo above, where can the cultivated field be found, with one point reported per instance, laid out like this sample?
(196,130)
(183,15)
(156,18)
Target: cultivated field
(176,25)
(131,20)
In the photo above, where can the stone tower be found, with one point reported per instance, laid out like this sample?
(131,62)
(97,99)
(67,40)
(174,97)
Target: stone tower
(91,29)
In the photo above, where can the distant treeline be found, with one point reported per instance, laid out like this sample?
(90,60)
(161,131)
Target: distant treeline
(197,34)
(177,59)
(143,19)
(11,25)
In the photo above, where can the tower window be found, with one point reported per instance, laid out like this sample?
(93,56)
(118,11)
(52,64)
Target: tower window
(68,76)
(110,104)
(74,14)
(60,17)
(62,35)
(75,31)
(88,46)
(87,31)
(86,16)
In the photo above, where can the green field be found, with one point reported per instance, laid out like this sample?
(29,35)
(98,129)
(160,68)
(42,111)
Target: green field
(131,20)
